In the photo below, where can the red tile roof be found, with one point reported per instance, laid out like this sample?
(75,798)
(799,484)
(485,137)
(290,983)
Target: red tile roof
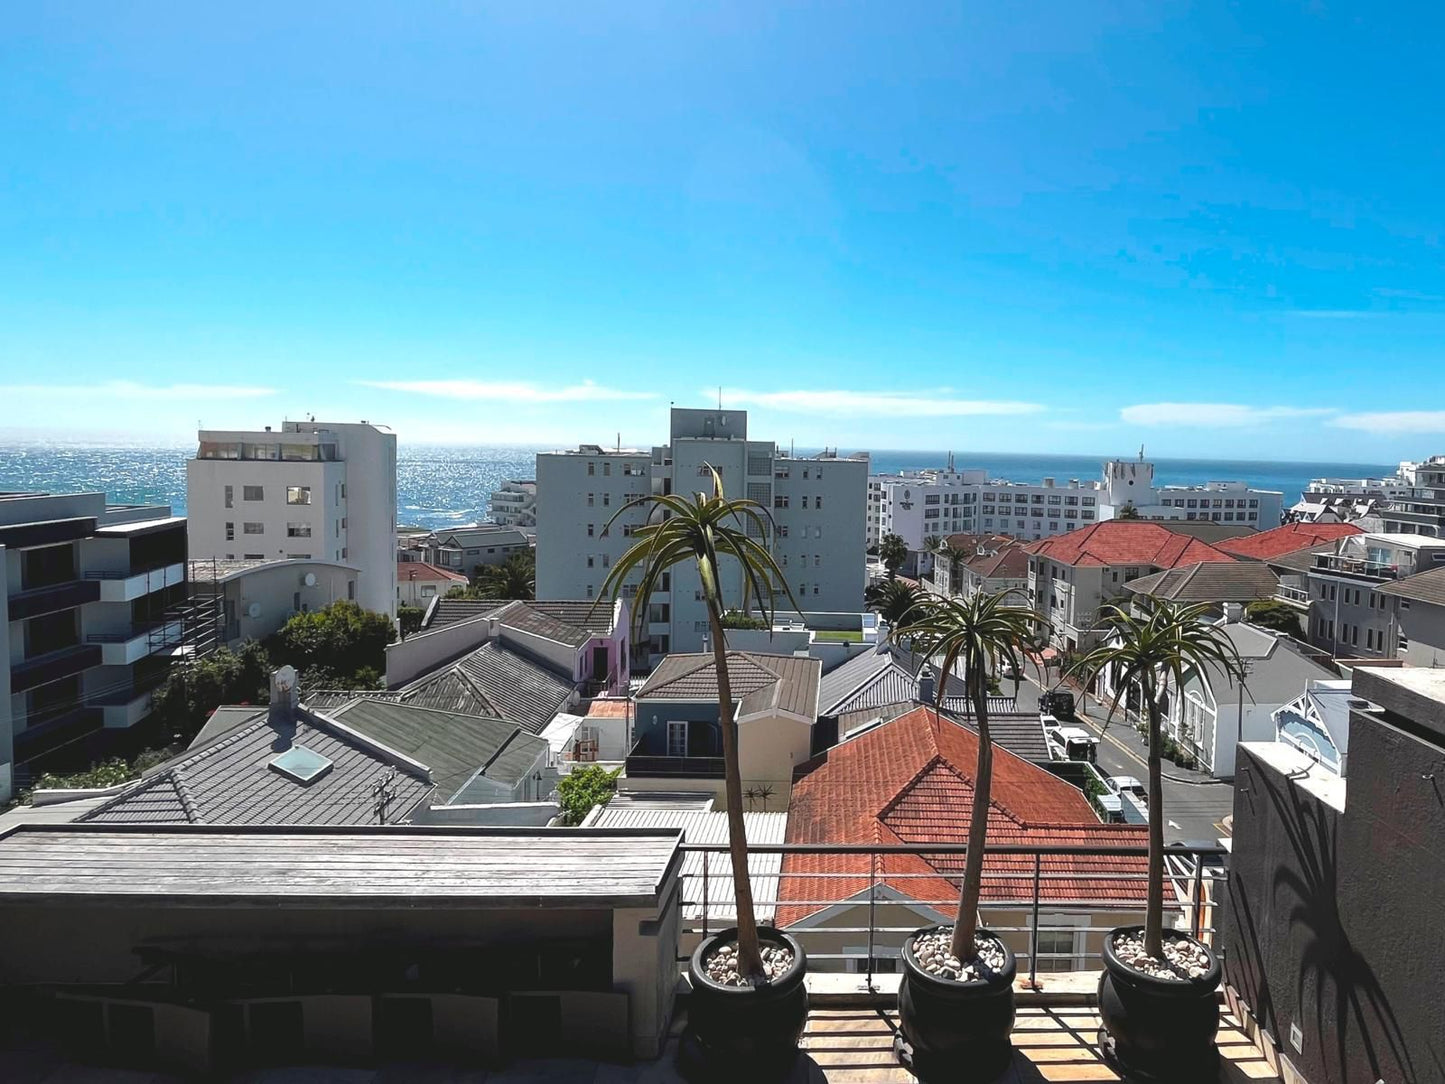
(1127,542)
(910,781)
(420,570)
(1286,539)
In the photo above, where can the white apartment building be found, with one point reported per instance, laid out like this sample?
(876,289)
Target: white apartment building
(920,505)
(818,505)
(515,505)
(312,491)
(1411,501)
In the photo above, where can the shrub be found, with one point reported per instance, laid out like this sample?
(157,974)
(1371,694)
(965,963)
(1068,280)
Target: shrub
(584,788)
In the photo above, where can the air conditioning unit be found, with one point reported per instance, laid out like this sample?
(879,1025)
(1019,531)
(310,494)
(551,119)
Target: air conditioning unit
(309,579)
(254,610)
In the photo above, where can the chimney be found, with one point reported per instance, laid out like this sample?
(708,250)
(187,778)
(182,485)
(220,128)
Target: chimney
(283,698)
(1233,613)
(926,686)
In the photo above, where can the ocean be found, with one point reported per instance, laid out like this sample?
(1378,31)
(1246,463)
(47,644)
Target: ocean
(443,485)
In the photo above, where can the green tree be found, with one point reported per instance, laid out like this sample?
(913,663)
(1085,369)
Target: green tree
(191,691)
(735,619)
(893,600)
(341,646)
(979,633)
(1128,511)
(892,551)
(583,788)
(1144,652)
(514,578)
(951,557)
(409,618)
(1269,613)
(704,532)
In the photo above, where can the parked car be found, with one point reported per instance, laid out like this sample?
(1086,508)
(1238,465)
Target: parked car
(1122,784)
(1007,671)
(1069,742)
(1057,702)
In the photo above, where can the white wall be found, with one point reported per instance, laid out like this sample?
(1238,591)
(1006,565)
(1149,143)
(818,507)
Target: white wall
(422,652)
(275,587)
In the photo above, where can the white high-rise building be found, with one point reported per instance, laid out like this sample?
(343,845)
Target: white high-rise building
(312,490)
(924,504)
(818,505)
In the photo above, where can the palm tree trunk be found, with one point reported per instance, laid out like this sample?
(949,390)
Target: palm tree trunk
(1154,906)
(750,960)
(965,925)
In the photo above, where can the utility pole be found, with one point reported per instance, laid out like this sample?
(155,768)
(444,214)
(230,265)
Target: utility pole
(383,793)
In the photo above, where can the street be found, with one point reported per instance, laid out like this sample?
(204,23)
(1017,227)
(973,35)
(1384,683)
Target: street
(1194,803)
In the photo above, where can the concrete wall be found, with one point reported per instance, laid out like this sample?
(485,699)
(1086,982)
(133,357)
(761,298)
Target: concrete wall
(1332,922)
(503,814)
(1424,627)
(422,652)
(275,589)
(769,748)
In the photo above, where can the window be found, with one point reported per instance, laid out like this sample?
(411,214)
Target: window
(253,528)
(253,556)
(818,502)
(230,532)
(780,501)
(589,590)
(590,530)
(299,556)
(590,560)
(1058,948)
(591,468)
(1054,498)
(817,560)
(607,470)
(298,494)
(606,500)
(253,493)
(805,500)
(298,530)
(591,499)
(230,496)
(676,738)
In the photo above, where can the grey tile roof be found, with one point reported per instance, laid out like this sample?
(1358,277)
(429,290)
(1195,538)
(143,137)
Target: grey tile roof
(1214,581)
(1422,587)
(230,781)
(570,623)
(224,719)
(448,611)
(1206,530)
(1299,560)
(455,747)
(888,675)
(328,700)
(758,682)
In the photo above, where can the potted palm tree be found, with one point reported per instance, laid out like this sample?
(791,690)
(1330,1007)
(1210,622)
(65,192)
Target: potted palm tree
(1157,993)
(956,1000)
(748,1004)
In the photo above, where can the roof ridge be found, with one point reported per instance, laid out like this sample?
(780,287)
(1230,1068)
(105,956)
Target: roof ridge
(188,800)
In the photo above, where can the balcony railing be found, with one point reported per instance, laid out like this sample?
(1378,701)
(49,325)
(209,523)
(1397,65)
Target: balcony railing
(1297,595)
(1356,566)
(52,666)
(52,597)
(643,766)
(870,941)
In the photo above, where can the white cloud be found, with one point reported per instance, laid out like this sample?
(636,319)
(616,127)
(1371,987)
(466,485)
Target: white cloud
(507,391)
(1213,415)
(132,392)
(1394,421)
(876,403)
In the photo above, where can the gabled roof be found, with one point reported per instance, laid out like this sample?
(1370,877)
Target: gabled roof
(1285,539)
(1011,562)
(231,781)
(457,748)
(1126,542)
(481,534)
(910,781)
(420,570)
(1237,581)
(1301,560)
(570,623)
(448,611)
(785,682)
(1275,668)
(886,675)
(1422,587)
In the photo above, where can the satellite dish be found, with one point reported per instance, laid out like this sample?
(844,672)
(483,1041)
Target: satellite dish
(309,579)
(253,610)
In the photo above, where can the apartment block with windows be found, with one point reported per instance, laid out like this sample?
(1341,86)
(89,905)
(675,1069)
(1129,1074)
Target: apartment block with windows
(1351,615)
(313,491)
(87,597)
(818,506)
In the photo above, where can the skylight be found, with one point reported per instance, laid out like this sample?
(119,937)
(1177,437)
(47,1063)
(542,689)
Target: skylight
(302,764)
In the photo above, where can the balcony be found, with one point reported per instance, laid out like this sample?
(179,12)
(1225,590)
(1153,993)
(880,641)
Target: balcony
(52,597)
(136,641)
(1358,568)
(1293,596)
(646,766)
(52,666)
(127,586)
(55,731)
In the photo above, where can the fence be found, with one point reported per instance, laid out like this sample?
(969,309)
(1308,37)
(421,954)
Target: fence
(1034,922)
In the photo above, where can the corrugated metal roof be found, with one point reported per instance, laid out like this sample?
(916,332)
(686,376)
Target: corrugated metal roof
(709,827)
(453,746)
(230,781)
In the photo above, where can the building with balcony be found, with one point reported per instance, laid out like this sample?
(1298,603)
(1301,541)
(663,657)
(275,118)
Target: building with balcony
(818,507)
(466,549)
(515,505)
(677,740)
(87,623)
(924,504)
(1420,613)
(1071,576)
(311,491)
(1349,615)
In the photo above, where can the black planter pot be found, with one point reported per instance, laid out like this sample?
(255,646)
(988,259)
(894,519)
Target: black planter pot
(1159,1029)
(954,1031)
(744,1033)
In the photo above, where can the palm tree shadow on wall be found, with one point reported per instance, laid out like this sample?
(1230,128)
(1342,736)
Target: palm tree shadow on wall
(1329,959)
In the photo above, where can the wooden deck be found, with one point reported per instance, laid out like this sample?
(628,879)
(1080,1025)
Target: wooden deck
(855,1046)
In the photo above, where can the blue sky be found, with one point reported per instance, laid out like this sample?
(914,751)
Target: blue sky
(1074,227)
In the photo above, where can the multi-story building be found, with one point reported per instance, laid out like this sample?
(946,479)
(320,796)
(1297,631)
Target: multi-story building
(1420,509)
(466,549)
(515,504)
(1350,615)
(924,504)
(315,491)
(1420,609)
(1346,500)
(1071,576)
(87,593)
(818,505)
